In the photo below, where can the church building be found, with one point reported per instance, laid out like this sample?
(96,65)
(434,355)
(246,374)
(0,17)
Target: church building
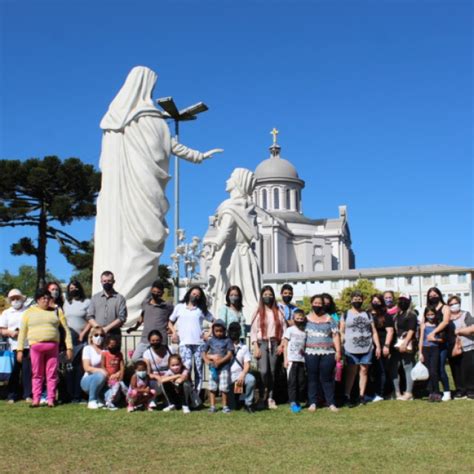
(289,240)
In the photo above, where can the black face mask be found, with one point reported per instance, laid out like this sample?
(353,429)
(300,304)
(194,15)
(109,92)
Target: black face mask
(327,308)
(156,345)
(268,300)
(376,305)
(194,299)
(300,325)
(156,298)
(114,350)
(234,336)
(403,304)
(74,293)
(434,300)
(286,299)
(357,304)
(318,310)
(108,286)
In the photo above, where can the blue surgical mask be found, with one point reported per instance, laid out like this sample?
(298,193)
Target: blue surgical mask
(141,374)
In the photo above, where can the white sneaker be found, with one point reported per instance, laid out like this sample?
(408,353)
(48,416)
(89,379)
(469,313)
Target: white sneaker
(100,405)
(43,401)
(377,399)
(169,408)
(186,410)
(93,405)
(111,407)
(152,404)
(446,397)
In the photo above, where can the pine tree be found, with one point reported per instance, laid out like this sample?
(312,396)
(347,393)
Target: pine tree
(48,194)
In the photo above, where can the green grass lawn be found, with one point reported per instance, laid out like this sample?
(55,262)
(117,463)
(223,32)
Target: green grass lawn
(389,436)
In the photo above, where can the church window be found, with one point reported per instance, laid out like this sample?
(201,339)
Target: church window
(264,199)
(288,200)
(276,198)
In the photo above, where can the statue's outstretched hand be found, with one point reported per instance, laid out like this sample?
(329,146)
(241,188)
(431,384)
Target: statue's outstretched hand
(208,154)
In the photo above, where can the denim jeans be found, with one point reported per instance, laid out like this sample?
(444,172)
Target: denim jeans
(443,375)
(320,373)
(249,390)
(93,385)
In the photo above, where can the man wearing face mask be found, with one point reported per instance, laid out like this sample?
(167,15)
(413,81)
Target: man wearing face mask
(155,315)
(108,309)
(287,308)
(10,322)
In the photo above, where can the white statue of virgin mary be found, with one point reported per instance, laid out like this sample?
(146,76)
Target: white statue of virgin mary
(233,258)
(130,227)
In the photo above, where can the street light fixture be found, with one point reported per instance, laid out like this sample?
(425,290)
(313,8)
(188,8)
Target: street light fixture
(183,115)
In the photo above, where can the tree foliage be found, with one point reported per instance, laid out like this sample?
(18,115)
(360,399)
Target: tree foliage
(366,287)
(24,281)
(48,194)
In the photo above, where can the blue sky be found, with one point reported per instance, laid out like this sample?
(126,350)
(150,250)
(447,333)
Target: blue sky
(373,100)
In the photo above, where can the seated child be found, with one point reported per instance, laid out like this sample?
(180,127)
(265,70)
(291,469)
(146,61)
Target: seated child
(243,382)
(139,392)
(176,385)
(218,352)
(113,364)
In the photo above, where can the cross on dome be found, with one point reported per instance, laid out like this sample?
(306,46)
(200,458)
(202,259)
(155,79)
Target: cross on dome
(274,132)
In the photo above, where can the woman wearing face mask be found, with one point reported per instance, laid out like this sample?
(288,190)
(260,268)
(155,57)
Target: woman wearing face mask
(187,323)
(10,323)
(405,324)
(232,311)
(390,303)
(330,307)
(322,351)
(156,358)
(359,337)
(462,365)
(40,326)
(266,332)
(94,379)
(57,299)
(434,299)
(75,310)
(384,326)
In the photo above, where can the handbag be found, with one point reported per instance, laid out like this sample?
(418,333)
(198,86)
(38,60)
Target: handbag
(7,360)
(457,349)
(401,340)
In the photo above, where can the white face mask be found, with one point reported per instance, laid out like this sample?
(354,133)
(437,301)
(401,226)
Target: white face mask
(17,304)
(455,308)
(98,340)
(141,374)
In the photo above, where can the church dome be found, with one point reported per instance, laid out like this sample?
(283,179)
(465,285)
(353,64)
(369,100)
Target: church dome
(276,167)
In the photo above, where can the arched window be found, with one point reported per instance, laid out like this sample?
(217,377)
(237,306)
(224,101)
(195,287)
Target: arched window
(264,199)
(276,198)
(288,199)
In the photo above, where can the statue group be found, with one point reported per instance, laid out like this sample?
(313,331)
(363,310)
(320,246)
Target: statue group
(131,228)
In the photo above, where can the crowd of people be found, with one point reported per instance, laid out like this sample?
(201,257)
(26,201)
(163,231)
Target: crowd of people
(310,360)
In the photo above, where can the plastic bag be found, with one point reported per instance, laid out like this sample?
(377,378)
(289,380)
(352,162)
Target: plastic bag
(420,372)
(7,360)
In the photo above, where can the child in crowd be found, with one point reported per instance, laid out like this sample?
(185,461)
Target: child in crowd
(113,364)
(176,385)
(429,352)
(294,339)
(242,380)
(218,352)
(139,392)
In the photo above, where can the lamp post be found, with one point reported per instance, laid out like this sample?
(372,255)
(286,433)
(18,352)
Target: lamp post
(189,254)
(189,113)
